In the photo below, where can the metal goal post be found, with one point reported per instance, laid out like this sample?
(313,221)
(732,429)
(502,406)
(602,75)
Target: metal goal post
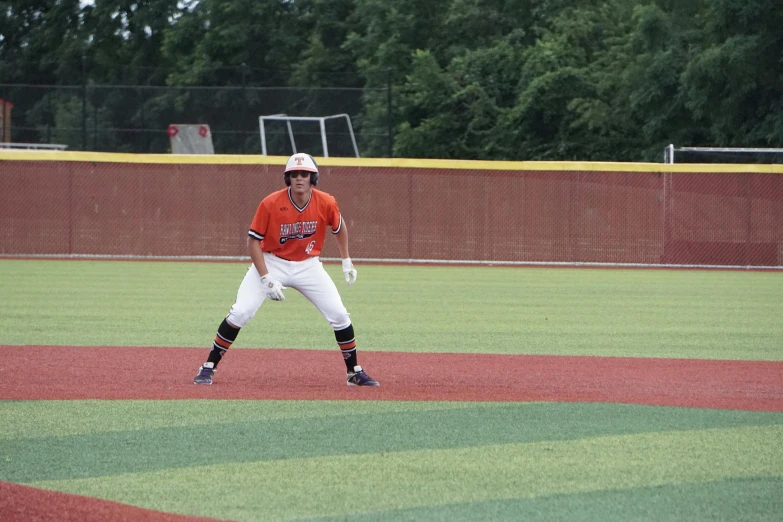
(321,122)
(669,150)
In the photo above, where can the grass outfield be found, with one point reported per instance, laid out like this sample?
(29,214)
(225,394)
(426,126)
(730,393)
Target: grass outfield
(557,311)
(345,460)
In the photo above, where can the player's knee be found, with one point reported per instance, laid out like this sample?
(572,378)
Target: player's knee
(340,322)
(238,317)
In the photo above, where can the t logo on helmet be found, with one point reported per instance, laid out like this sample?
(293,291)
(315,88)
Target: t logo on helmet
(299,160)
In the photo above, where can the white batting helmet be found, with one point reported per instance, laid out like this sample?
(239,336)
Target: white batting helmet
(301,161)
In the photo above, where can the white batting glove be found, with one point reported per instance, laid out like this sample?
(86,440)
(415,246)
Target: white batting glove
(349,271)
(273,288)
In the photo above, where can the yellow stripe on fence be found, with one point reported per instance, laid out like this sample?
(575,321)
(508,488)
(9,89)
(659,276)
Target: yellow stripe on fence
(226,159)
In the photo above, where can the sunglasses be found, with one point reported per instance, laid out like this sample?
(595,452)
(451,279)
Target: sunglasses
(299,174)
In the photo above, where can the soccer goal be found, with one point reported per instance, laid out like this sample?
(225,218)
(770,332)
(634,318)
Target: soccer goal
(321,120)
(722,155)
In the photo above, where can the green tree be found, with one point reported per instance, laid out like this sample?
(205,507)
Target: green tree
(733,86)
(430,122)
(479,79)
(212,39)
(555,78)
(637,107)
(126,40)
(454,113)
(385,38)
(324,62)
(41,41)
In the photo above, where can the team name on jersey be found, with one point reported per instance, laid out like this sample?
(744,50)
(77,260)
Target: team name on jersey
(298,230)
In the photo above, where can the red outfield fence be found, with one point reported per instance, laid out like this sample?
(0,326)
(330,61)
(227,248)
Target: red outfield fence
(492,212)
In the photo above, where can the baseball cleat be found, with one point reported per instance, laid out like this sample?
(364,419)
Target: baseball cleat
(359,378)
(205,374)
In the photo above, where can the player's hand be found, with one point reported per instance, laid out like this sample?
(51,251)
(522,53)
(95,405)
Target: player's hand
(349,271)
(273,288)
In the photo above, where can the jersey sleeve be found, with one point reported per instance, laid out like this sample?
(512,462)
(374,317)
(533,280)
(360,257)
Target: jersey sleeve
(334,216)
(260,222)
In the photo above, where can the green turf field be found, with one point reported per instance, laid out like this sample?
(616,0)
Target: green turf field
(644,313)
(345,460)
(274,460)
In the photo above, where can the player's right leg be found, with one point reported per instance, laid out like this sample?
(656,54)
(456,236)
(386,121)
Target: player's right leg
(250,296)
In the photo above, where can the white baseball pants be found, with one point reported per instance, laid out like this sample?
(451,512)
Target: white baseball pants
(307,277)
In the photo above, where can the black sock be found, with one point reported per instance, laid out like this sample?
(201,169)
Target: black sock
(350,359)
(215,355)
(347,343)
(226,335)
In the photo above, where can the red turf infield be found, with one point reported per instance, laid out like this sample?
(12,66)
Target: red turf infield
(22,503)
(63,372)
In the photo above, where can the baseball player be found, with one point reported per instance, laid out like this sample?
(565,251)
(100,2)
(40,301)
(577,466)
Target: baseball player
(286,236)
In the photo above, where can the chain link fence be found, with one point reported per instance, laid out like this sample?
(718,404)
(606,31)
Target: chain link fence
(434,212)
(135,118)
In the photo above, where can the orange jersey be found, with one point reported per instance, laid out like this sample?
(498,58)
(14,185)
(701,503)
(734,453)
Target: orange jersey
(294,233)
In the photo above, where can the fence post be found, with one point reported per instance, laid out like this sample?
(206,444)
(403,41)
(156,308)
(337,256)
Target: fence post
(3,137)
(95,127)
(244,101)
(50,119)
(668,154)
(84,102)
(389,110)
(142,135)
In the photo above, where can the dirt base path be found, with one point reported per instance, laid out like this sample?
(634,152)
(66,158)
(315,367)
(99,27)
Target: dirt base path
(61,372)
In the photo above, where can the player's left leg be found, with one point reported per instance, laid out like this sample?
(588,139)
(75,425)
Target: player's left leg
(316,285)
